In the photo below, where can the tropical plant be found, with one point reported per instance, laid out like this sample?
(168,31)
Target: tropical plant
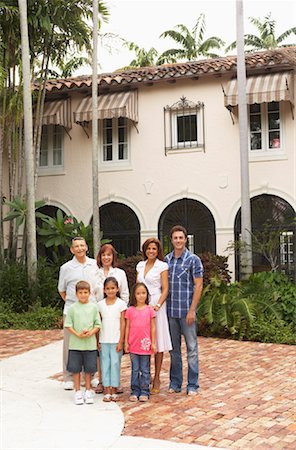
(18,214)
(266,38)
(144,58)
(57,233)
(275,294)
(192,43)
(265,242)
(57,29)
(225,307)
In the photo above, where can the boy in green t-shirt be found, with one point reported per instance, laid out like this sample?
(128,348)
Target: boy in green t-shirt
(83,322)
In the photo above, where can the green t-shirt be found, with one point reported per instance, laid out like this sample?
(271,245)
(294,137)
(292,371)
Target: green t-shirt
(83,316)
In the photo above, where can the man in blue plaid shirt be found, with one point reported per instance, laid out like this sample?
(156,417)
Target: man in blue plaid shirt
(185,288)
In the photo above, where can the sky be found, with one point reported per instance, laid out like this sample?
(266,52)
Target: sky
(142,22)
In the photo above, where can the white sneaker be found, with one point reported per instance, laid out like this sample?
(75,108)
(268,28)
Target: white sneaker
(68,385)
(94,382)
(88,397)
(78,398)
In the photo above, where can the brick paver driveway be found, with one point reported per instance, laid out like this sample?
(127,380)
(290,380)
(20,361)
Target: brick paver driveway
(247,398)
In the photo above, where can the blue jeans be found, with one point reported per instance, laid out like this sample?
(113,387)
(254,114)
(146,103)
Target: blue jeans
(177,328)
(140,377)
(110,365)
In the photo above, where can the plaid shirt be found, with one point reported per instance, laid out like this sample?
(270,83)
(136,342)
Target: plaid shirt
(182,272)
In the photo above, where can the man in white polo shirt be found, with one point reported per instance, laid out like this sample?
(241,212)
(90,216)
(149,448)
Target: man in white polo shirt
(79,268)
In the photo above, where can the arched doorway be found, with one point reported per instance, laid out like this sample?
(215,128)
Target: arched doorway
(272,214)
(196,218)
(120,224)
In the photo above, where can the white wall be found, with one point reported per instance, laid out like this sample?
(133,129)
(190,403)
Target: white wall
(153,180)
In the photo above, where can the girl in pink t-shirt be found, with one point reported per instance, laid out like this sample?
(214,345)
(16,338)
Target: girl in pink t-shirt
(140,341)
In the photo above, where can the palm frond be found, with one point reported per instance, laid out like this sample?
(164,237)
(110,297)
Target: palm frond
(199,29)
(286,34)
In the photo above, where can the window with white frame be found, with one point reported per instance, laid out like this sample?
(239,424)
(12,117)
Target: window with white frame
(51,149)
(265,128)
(287,248)
(115,146)
(184,125)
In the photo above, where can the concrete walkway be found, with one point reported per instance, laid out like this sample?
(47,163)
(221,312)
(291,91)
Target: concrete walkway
(38,414)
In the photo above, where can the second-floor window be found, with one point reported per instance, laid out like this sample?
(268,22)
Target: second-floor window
(115,140)
(265,127)
(51,149)
(184,125)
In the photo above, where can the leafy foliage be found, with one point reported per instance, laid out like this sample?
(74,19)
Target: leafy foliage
(215,266)
(266,38)
(270,329)
(38,318)
(275,290)
(192,43)
(58,232)
(129,266)
(239,309)
(226,307)
(18,210)
(15,291)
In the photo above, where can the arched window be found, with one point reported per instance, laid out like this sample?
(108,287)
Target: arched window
(120,224)
(273,215)
(196,218)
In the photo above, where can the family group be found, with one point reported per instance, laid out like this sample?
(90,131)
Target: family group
(102,319)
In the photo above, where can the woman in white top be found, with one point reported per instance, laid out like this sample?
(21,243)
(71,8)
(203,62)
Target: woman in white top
(153,272)
(107,262)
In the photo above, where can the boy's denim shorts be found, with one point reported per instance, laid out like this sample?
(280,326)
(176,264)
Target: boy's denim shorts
(79,360)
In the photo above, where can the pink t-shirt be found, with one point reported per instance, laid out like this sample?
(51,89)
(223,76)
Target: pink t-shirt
(140,329)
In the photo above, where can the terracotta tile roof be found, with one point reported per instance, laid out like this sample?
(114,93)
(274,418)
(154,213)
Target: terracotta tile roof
(284,58)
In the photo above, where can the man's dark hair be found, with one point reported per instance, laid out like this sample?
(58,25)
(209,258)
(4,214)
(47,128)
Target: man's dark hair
(178,228)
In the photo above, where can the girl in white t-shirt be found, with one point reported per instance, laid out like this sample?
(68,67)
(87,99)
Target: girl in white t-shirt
(111,337)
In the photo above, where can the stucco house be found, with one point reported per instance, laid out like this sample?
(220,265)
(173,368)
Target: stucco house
(169,152)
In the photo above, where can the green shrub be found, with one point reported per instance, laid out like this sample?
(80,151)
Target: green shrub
(274,289)
(271,330)
(215,266)
(38,318)
(14,289)
(224,309)
(129,266)
(262,308)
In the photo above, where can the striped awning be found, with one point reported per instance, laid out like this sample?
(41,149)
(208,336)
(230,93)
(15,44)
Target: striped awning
(58,112)
(119,104)
(262,89)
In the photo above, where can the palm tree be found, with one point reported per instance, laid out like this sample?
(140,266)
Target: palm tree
(144,58)
(266,38)
(192,43)
(28,144)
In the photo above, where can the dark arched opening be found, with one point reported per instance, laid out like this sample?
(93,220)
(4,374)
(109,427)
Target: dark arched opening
(120,224)
(196,218)
(272,214)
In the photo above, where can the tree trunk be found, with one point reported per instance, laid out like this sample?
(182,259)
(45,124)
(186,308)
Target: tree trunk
(246,228)
(95,149)
(28,141)
(1,195)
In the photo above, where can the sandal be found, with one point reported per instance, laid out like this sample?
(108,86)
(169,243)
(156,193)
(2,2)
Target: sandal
(107,398)
(154,391)
(143,398)
(133,398)
(114,397)
(119,390)
(99,389)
